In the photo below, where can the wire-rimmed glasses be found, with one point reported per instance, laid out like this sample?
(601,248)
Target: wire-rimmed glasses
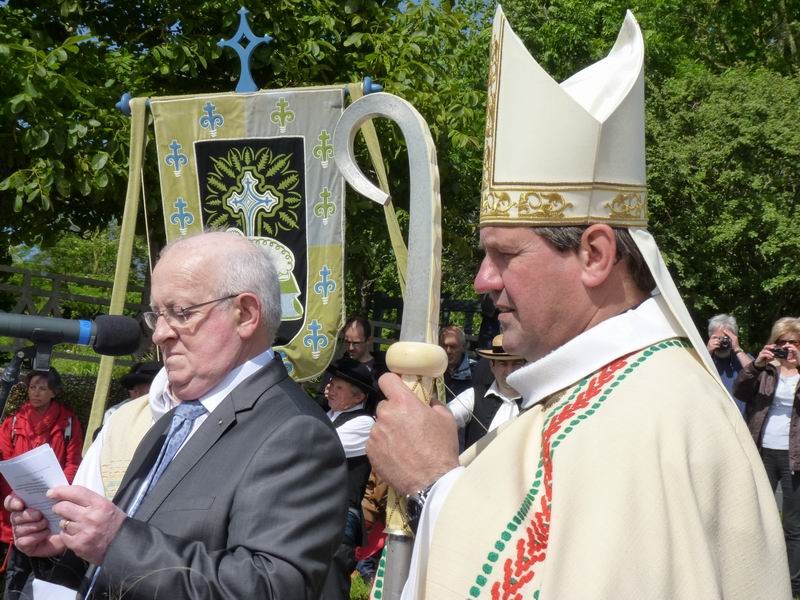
(177,316)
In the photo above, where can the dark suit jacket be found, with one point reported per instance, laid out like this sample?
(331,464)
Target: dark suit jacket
(253,506)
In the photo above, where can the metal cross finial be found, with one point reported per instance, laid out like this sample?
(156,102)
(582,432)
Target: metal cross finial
(246,83)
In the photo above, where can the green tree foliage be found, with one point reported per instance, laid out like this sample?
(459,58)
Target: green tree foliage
(724,181)
(722,85)
(91,255)
(64,162)
(63,146)
(567,35)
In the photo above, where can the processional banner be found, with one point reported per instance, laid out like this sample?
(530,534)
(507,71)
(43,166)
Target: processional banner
(262,164)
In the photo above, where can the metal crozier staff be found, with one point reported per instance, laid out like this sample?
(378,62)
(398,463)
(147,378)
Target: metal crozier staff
(417,357)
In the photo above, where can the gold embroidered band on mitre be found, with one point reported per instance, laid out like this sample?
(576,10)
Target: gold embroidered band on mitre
(613,204)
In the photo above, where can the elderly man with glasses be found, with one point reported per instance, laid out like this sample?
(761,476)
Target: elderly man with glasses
(224,497)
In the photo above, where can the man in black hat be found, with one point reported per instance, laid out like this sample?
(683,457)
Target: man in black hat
(488,404)
(138,381)
(351,397)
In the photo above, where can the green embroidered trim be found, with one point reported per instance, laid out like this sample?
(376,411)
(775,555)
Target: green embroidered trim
(492,557)
(377,588)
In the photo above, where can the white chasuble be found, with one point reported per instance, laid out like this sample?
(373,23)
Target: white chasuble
(640,481)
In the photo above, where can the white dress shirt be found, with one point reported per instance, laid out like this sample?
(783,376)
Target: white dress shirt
(462,407)
(355,433)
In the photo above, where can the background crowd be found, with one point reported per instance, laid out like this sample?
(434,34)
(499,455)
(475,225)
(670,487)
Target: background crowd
(765,385)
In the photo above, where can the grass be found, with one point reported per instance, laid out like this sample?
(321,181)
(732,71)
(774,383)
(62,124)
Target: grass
(359,590)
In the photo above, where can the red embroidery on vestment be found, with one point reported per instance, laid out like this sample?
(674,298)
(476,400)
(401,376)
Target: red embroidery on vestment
(531,549)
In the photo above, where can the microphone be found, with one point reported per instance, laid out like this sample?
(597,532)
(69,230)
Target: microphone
(113,335)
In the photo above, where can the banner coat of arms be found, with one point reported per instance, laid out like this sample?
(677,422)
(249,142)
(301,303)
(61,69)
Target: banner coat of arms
(262,164)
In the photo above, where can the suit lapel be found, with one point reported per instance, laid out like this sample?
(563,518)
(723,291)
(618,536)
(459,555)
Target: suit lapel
(242,398)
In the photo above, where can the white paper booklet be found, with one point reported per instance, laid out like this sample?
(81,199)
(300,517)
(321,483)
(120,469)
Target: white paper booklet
(30,475)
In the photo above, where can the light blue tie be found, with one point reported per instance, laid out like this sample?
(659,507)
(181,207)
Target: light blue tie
(182,420)
(179,428)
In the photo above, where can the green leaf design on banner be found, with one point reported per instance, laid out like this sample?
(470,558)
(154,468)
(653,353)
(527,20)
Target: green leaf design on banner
(289,182)
(247,156)
(281,162)
(233,157)
(216,182)
(256,188)
(223,168)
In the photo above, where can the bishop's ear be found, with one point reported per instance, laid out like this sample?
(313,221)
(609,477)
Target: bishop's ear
(597,254)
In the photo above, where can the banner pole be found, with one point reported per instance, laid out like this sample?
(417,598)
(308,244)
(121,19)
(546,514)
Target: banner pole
(126,238)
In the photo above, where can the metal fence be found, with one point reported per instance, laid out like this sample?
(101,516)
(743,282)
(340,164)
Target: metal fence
(63,296)
(386,313)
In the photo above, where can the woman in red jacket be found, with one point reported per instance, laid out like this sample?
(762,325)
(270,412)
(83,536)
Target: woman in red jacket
(41,420)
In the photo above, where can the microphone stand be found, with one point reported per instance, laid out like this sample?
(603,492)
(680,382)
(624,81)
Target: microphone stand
(10,375)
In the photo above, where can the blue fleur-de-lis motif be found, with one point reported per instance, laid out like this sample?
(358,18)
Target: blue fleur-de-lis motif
(211,119)
(286,362)
(176,159)
(324,208)
(325,286)
(181,217)
(315,340)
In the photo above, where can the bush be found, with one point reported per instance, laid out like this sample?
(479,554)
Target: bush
(359,590)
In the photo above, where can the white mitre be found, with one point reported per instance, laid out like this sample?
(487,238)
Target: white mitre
(572,154)
(566,154)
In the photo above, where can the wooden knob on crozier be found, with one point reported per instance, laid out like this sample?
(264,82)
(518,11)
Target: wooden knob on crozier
(416,358)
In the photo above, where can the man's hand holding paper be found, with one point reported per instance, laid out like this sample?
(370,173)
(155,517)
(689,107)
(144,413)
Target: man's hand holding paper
(32,534)
(90,521)
(35,523)
(30,475)
(89,524)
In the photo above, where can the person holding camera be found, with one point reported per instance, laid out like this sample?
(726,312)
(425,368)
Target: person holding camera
(770,387)
(728,356)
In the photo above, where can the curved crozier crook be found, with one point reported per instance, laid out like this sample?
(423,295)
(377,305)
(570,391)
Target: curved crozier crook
(421,309)
(416,356)
(415,131)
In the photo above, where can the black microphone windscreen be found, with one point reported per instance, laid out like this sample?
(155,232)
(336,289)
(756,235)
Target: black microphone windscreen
(116,335)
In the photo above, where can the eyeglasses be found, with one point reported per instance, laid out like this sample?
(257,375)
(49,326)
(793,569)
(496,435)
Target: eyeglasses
(177,316)
(784,342)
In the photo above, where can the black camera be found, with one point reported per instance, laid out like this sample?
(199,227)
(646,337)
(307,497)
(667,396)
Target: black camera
(724,343)
(778,352)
